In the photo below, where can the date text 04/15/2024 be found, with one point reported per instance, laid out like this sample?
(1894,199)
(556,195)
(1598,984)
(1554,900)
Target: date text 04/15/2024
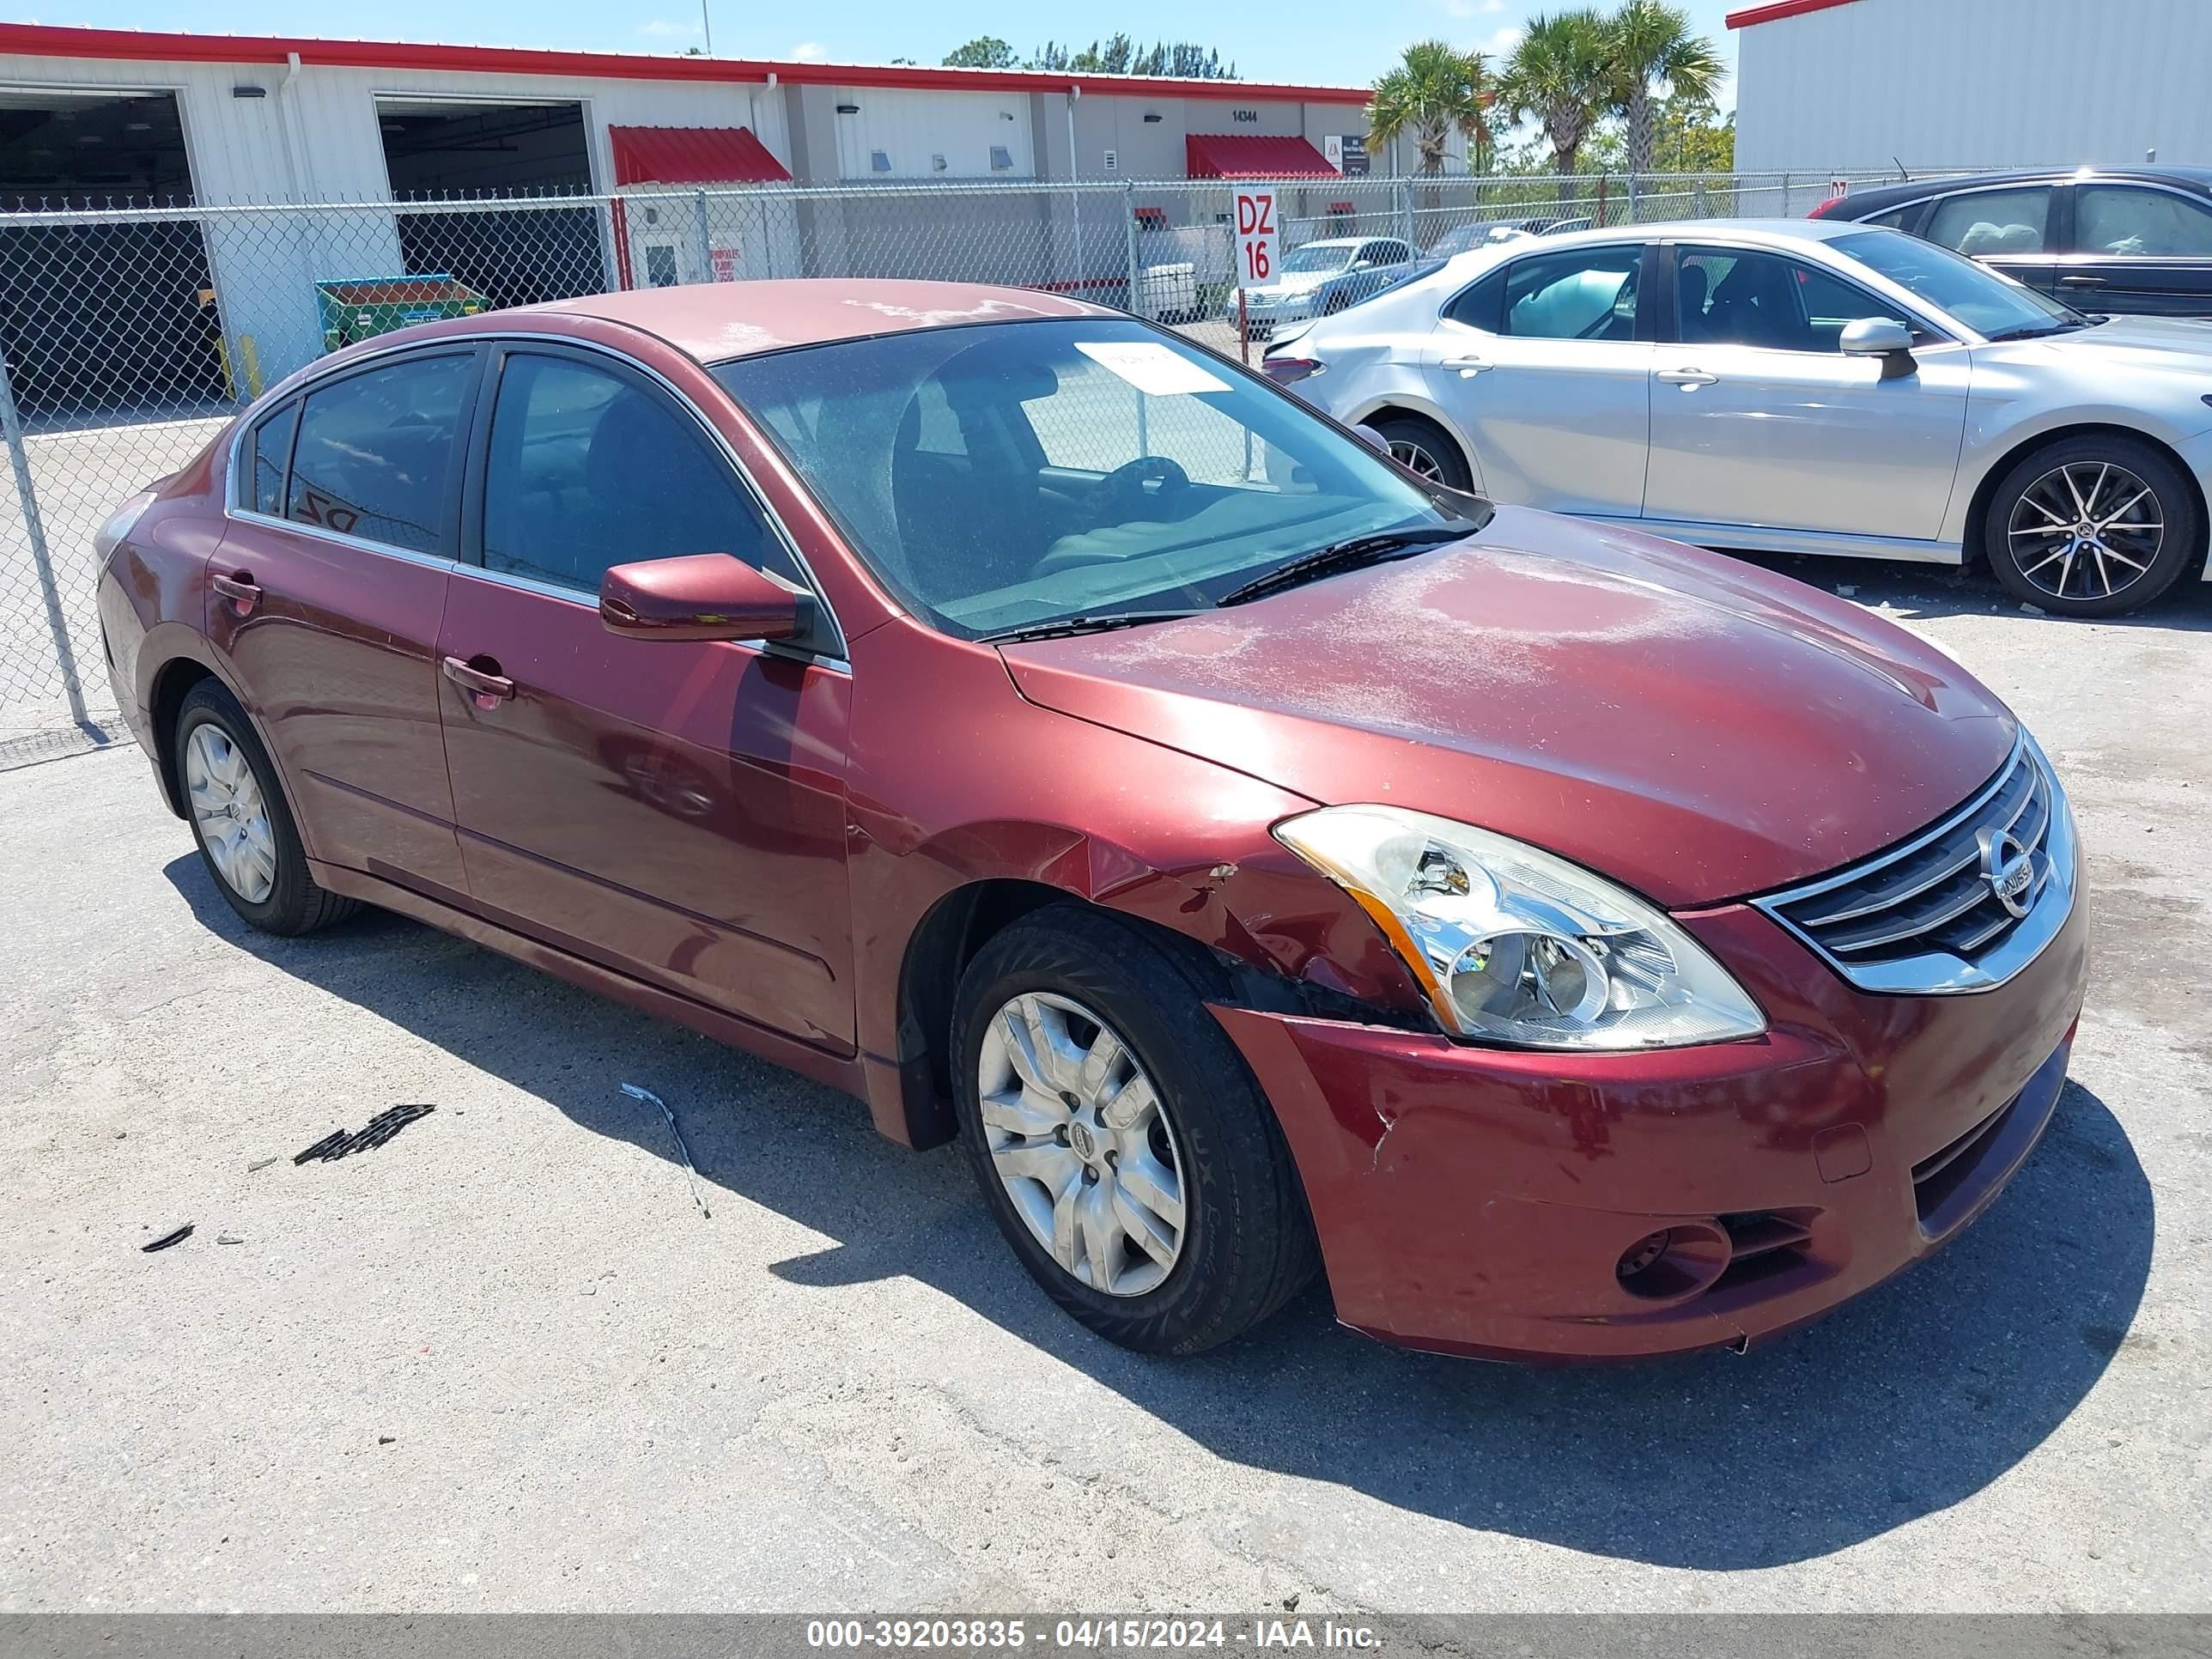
(1090,1635)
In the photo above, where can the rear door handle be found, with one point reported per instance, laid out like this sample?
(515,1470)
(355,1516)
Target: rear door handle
(1687,379)
(240,589)
(490,689)
(1466,365)
(2081,281)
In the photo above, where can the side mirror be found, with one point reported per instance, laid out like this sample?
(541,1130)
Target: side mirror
(1363,264)
(1374,439)
(1880,336)
(701,596)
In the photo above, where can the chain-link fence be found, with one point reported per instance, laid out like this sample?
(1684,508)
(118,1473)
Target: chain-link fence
(128,337)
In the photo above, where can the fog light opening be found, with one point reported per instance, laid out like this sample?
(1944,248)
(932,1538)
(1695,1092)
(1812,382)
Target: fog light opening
(1672,1262)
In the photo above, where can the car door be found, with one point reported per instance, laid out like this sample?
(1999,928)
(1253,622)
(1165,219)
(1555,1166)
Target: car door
(327,593)
(673,808)
(1546,364)
(2009,228)
(1758,419)
(2138,247)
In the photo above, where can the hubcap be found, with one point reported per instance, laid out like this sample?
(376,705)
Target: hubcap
(233,818)
(1416,459)
(1082,1143)
(2087,531)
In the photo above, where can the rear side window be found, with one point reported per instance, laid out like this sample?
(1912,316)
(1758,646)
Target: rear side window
(272,448)
(375,454)
(1586,294)
(589,469)
(2126,220)
(1982,222)
(1479,307)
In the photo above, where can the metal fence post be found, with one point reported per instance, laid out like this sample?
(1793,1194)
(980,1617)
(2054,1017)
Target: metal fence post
(706,241)
(35,530)
(1697,199)
(1784,213)
(1129,235)
(1635,198)
(1405,211)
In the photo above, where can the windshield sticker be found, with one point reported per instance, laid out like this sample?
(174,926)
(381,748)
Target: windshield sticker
(1151,367)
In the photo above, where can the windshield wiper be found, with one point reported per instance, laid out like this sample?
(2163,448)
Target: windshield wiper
(1065,626)
(1377,548)
(2040,330)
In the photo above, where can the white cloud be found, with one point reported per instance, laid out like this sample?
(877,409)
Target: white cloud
(1470,7)
(1501,43)
(810,52)
(661,28)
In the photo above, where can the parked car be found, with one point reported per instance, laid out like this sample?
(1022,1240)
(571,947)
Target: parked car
(1464,239)
(1256,856)
(2125,240)
(1795,386)
(1317,278)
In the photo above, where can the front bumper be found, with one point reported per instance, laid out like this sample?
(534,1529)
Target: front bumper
(1479,1201)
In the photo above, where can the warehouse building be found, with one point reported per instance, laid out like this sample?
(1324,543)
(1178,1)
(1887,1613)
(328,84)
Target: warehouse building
(704,168)
(1833,87)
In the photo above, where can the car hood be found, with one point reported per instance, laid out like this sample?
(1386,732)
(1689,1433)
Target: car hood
(1691,726)
(2183,342)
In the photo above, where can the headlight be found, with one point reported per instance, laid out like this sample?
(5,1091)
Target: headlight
(1515,946)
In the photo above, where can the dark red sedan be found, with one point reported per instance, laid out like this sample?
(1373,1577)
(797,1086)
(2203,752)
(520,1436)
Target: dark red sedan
(1261,860)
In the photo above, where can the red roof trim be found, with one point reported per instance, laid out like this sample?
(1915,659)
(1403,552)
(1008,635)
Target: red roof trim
(1252,156)
(693,155)
(1776,10)
(140,45)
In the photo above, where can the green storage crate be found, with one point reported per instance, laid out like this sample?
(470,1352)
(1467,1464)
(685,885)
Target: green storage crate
(360,307)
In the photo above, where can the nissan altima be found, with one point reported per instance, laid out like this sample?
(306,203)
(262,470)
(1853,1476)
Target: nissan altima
(1794,386)
(1261,860)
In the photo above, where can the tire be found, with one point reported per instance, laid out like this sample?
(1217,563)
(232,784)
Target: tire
(2027,538)
(1245,1245)
(269,885)
(1422,445)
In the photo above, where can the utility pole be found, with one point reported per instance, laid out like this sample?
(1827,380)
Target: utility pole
(707,25)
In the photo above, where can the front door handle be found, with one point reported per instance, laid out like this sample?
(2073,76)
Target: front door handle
(487,687)
(1466,366)
(2081,281)
(240,589)
(1688,378)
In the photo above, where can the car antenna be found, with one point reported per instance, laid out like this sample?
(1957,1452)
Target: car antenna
(1904,173)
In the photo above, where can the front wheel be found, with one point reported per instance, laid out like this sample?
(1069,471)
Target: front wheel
(2092,526)
(1122,1144)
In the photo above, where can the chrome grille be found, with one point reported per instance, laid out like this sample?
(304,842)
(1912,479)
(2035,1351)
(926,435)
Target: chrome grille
(1922,916)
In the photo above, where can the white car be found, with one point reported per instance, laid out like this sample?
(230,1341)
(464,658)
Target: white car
(1793,385)
(1319,278)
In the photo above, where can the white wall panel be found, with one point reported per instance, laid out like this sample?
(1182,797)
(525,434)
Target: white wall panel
(1975,83)
(912,127)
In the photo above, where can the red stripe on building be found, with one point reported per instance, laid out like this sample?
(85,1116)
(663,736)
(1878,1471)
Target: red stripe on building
(1778,10)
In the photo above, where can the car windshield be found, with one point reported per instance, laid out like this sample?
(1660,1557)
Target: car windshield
(1006,476)
(1316,258)
(1993,306)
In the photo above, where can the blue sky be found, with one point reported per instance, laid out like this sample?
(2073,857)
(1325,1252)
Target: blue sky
(1312,41)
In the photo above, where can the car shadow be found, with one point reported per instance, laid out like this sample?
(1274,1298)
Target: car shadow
(1940,590)
(1901,1404)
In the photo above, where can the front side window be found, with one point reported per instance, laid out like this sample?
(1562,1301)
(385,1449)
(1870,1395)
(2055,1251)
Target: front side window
(1587,293)
(376,453)
(1102,466)
(1741,296)
(1982,222)
(272,451)
(2127,221)
(587,469)
(1992,306)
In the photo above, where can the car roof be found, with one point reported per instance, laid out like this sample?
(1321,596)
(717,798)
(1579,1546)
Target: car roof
(1913,190)
(714,322)
(1679,230)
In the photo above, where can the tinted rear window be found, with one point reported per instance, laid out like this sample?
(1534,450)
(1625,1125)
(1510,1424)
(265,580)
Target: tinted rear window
(272,447)
(376,453)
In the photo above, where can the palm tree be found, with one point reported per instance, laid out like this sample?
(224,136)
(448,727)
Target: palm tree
(1562,72)
(1437,90)
(1650,43)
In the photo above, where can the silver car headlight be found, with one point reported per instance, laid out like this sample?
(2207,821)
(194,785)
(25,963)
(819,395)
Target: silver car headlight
(1514,946)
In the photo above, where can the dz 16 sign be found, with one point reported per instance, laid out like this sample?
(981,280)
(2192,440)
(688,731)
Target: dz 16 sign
(1259,235)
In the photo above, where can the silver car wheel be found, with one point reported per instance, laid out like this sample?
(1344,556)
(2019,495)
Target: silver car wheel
(1416,459)
(1083,1143)
(2087,530)
(232,816)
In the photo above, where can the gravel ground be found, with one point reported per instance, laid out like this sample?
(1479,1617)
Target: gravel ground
(503,1363)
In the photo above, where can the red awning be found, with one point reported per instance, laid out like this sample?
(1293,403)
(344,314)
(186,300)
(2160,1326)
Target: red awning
(693,155)
(1250,156)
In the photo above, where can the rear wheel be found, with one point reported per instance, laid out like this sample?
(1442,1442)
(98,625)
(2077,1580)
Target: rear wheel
(1122,1144)
(2092,526)
(1424,448)
(241,821)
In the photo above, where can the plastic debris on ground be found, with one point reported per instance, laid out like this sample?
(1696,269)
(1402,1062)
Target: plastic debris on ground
(636,1093)
(341,1143)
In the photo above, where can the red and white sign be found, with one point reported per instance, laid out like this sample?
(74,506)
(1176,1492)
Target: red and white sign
(726,263)
(1839,188)
(1259,235)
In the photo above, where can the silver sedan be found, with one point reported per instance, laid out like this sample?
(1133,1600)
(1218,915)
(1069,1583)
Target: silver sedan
(1794,385)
